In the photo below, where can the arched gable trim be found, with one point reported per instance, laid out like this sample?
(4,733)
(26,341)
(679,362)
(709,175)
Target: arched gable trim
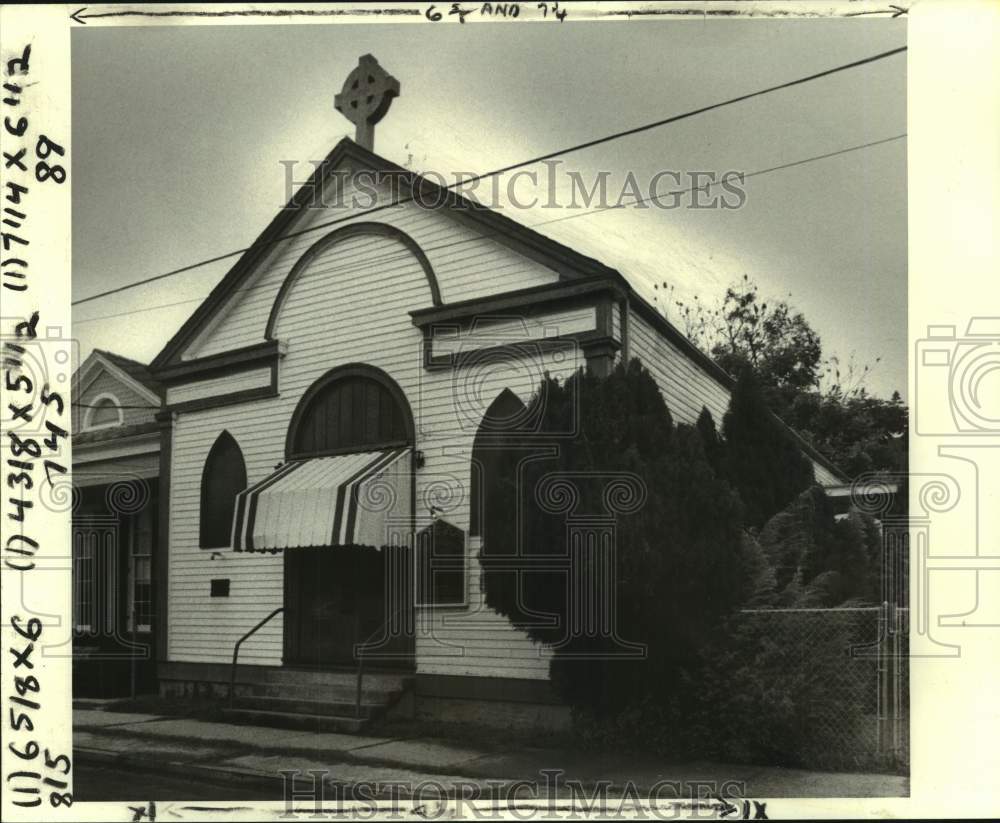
(340,373)
(98,404)
(337,236)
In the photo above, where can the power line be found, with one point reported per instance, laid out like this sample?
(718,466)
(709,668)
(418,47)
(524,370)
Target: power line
(540,158)
(103,406)
(709,186)
(397,257)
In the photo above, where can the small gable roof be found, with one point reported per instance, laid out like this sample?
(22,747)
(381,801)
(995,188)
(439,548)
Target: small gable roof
(139,372)
(131,372)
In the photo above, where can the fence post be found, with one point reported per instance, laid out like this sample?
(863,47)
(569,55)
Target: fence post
(884,717)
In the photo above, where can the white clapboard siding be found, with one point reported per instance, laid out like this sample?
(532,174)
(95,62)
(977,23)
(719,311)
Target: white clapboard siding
(213,387)
(468,263)
(476,640)
(331,318)
(687,387)
(824,476)
(505,329)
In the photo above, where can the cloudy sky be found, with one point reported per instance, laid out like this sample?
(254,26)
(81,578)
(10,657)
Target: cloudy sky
(179,134)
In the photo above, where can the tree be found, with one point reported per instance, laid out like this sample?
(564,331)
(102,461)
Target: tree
(677,559)
(819,561)
(824,401)
(761,461)
(744,330)
(856,431)
(714,448)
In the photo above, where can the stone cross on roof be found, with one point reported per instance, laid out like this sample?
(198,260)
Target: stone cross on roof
(365,98)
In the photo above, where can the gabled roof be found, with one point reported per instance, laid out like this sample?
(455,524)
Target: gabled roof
(133,368)
(568,262)
(129,371)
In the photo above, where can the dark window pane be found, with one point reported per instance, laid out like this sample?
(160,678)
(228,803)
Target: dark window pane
(223,478)
(355,412)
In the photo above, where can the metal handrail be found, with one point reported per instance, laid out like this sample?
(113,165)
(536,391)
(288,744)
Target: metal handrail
(236,653)
(361,658)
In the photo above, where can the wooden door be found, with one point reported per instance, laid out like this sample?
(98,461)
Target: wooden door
(334,598)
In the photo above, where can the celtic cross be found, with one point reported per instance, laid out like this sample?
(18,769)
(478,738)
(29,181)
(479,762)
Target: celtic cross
(365,98)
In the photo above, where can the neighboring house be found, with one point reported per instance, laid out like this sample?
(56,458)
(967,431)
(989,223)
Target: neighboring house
(116,470)
(327,396)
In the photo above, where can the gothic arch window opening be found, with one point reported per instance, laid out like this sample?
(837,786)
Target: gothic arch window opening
(223,477)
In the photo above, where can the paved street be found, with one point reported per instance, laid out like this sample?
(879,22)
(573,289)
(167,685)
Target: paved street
(200,759)
(93,782)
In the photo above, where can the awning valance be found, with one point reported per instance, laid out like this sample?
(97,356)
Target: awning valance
(359,499)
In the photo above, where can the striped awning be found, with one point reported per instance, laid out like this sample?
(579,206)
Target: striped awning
(361,499)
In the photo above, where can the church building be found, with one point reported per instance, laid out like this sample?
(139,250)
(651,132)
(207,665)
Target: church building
(320,494)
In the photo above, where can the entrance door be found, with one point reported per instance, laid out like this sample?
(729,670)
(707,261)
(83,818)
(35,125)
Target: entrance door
(335,597)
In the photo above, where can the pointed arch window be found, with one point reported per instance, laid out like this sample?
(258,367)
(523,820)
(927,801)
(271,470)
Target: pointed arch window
(223,477)
(493,488)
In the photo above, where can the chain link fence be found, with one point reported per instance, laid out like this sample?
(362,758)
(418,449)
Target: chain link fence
(827,688)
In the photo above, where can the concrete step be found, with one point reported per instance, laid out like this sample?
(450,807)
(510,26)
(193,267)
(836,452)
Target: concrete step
(318,693)
(386,681)
(309,707)
(293,720)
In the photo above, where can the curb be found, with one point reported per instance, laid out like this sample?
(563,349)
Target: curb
(347,758)
(236,777)
(229,776)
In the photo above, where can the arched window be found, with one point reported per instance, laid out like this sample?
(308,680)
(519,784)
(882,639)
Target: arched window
(353,408)
(493,498)
(104,412)
(223,477)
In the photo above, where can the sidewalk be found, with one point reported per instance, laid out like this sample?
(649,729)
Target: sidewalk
(254,755)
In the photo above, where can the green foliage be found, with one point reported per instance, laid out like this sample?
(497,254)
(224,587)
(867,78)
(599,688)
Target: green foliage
(858,432)
(711,442)
(822,400)
(768,687)
(761,460)
(744,330)
(820,562)
(715,682)
(677,558)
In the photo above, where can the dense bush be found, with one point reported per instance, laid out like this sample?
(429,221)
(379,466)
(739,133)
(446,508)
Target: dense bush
(818,561)
(715,682)
(760,458)
(678,558)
